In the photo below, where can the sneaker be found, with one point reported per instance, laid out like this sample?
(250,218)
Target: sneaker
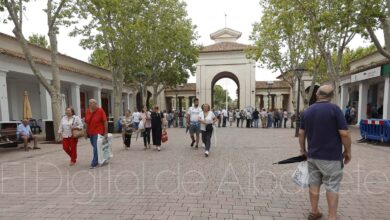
(158,148)
(206,153)
(196,146)
(204,146)
(192,144)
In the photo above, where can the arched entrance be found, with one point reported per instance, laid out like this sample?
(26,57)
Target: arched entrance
(220,76)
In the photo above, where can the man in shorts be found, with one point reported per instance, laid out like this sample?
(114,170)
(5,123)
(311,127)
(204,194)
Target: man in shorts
(25,135)
(325,127)
(193,122)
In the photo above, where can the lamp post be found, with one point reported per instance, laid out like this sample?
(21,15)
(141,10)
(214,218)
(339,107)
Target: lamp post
(298,72)
(269,87)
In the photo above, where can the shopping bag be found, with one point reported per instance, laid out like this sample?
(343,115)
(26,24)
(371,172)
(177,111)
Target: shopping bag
(164,137)
(104,148)
(141,125)
(301,174)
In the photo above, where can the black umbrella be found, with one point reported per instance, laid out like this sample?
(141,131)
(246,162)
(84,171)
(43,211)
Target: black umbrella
(292,160)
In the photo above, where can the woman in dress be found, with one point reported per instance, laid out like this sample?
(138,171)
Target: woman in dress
(70,122)
(147,120)
(157,122)
(207,120)
(127,129)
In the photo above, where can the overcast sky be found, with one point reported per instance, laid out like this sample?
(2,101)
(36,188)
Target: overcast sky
(207,15)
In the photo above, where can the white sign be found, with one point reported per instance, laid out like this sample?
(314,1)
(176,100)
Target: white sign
(368,74)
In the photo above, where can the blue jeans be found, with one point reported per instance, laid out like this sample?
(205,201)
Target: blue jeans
(93,140)
(256,122)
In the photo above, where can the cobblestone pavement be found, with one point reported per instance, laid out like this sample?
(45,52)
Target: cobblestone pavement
(237,181)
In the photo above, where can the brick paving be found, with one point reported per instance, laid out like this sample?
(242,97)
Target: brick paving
(237,181)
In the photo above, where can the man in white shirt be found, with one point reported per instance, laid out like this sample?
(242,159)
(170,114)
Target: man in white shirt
(225,116)
(193,116)
(136,119)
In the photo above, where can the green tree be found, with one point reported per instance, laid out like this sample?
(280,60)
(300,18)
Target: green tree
(281,41)
(220,97)
(375,15)
(99,57)
(58,13)
(332,25)
(39,40)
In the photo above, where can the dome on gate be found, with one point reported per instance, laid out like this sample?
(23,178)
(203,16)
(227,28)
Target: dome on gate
(225,35)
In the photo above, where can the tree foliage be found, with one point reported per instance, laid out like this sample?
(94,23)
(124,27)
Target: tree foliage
(58,13)
(220,97)
(152,37)
(39,40)
(375,15)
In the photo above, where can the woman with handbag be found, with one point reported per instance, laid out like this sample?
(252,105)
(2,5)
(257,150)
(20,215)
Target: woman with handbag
(127,129)
(207,120)
(70,124)
(147,121)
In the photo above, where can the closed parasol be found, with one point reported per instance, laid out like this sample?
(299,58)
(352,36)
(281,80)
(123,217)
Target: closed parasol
(27,114)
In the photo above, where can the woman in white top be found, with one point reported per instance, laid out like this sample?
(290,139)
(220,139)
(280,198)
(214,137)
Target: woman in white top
(70,122)
(147,120)
(207,120)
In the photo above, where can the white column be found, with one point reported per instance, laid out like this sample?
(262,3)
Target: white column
(127,101)
(344,96)
(97,94)
(363,96)
(75,96)
(4,110)
(47,112)
(386,98)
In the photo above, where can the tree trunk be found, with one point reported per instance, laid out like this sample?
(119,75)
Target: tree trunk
(56,84)
(155,94)
(117,84)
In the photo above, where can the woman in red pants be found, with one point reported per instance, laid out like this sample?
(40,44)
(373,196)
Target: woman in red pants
(69,122)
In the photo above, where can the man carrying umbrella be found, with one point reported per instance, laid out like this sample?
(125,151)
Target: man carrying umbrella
(326,130)
(24,134)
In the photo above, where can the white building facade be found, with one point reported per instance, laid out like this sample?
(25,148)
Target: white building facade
(80,81)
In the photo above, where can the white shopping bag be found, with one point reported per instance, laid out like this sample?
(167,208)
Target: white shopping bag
(301,175)
(141,125)
(104,148)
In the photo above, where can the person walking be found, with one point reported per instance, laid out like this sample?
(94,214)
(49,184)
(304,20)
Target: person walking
(70,122)
(96,123)
(325,127)
(238,116)
(255,116)
(285,118)
(136,119)
(147,120)
(127,128)
(207,120)
(193,122)
(157,124)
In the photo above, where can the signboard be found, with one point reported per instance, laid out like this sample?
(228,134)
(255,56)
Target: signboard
(368,74)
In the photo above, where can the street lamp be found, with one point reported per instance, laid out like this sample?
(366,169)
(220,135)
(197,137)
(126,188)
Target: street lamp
(298,72)
(269,87)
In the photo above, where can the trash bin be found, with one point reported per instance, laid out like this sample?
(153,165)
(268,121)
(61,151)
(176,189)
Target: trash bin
(49,130)
(111,126)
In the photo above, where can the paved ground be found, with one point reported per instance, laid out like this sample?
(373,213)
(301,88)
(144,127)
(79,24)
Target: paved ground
(237,181)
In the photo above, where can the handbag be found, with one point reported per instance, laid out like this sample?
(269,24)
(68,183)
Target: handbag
(164,137)
(209,127)
(76,133)
(301,174)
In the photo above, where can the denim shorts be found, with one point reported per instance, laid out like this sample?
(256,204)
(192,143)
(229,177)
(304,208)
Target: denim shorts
(194,128)
(327,172)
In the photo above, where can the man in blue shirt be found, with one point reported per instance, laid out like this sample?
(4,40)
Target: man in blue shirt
(24,134)
(325,127)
